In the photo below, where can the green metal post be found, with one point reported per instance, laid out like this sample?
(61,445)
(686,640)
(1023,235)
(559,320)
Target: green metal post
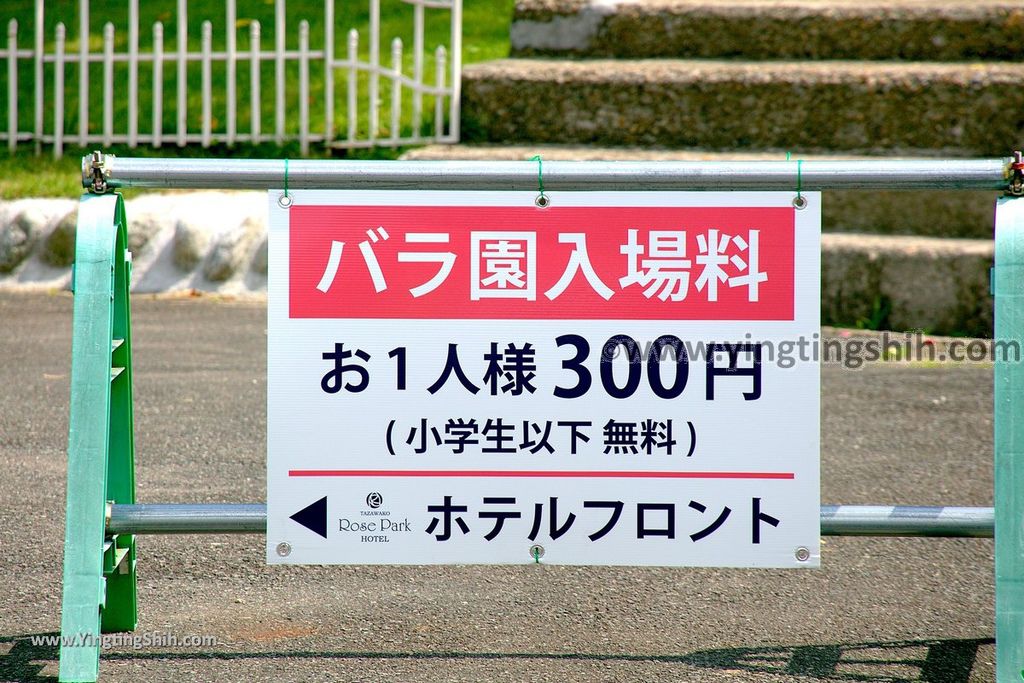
(99,570)
(120,612)
(1008,287)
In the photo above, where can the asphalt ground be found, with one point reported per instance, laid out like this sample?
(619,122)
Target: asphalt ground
(877,610)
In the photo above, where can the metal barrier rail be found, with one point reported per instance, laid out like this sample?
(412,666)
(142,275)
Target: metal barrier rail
(836,520)
(99,587)
(101,173)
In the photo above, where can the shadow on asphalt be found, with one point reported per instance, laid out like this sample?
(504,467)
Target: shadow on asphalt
(931,661)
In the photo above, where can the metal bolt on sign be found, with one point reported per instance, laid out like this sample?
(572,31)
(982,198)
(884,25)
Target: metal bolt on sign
(103,517)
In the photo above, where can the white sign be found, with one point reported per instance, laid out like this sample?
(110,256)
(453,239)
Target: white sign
(616,379)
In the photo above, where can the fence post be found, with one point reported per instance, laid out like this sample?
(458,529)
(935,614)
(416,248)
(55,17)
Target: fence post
(254,81)
(328,72)
(232,72)
(83,73)
(108,85)
(99,569)
(455,103)
(396,90)
(133,73)
(12,84)
(440,56)
(279,71)
(206,81)
(374,74)
(304,88)
(181,113)
(1008,288)
(417,69)
(58,92)
(353,75)
(37,73)
(158,84)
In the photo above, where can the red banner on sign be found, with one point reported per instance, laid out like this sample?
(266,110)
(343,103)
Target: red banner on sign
(584,263)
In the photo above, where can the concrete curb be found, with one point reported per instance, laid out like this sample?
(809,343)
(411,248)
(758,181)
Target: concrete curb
(205,241)
(216,242)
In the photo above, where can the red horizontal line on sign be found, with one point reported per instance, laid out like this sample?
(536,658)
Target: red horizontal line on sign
(586,474)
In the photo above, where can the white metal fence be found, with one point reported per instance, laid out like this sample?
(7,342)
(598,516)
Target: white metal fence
(362,73)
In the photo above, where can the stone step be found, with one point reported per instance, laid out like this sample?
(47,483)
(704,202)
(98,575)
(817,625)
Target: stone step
(932,30)
(906,283)
(931,214)
(958,109)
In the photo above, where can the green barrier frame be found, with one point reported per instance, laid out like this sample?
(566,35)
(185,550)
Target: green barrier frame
(99,568)
(1008,288)
(99,585)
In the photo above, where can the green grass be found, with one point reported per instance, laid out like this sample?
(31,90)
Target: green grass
(485,37)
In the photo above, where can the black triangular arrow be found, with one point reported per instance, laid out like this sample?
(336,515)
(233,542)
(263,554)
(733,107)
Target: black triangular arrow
(314,517)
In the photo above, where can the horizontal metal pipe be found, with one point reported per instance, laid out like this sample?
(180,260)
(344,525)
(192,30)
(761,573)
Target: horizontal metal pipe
(263,174)
(907,520)
(188,518)
(836,520)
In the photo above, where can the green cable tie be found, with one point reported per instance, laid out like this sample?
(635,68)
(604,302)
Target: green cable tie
(536,551)
(540,173)
(286,177)
(799,178)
